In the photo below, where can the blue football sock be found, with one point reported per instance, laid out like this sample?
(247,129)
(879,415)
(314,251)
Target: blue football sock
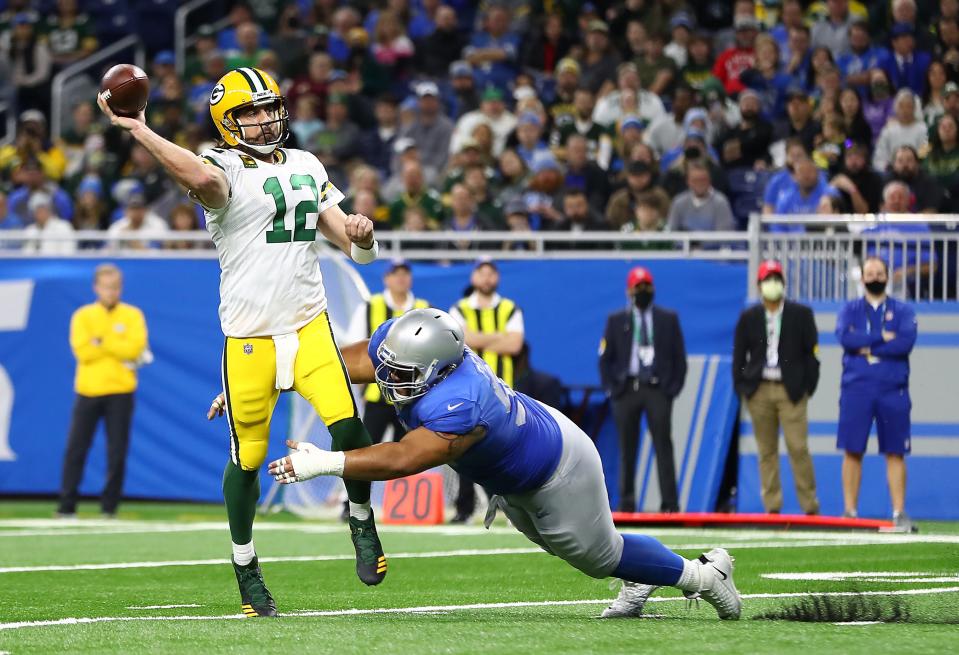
(647,561)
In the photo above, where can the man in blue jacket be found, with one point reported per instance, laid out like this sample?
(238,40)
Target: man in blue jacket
(877,334)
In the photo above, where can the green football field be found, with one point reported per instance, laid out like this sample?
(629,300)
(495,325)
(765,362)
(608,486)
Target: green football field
(158,581)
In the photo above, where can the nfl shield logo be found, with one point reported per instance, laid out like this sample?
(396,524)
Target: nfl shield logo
(248,349)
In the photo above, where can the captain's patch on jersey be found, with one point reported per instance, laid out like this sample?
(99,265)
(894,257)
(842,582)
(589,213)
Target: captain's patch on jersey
(248,162)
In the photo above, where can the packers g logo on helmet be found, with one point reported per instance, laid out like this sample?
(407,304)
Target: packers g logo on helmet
(240,89)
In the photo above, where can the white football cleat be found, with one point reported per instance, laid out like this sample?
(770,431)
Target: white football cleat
(716,584)
(632,597)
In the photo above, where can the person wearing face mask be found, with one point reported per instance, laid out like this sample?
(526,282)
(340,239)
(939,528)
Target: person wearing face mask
(877,334)
(775,370)
(642,365)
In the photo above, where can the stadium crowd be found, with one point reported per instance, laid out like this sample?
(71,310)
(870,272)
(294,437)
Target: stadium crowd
(632,116)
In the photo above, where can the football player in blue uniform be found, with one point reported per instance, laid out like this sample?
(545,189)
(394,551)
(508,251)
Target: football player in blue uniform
(537,466)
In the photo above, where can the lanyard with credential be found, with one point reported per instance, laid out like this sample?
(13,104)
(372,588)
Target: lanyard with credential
(637,329)
(882,315)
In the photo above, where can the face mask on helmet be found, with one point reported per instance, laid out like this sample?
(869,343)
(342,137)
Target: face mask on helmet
(278,125)
(401,382)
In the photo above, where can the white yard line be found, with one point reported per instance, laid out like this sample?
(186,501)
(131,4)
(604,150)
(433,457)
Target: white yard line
(440,608)
(161,607)
(864,576)
(858,623)
(302,558)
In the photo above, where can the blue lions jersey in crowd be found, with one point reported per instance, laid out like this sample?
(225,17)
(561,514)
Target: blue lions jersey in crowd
(523,443)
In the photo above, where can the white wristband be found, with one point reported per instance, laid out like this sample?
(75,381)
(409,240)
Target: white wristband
(364,255)
(310,462)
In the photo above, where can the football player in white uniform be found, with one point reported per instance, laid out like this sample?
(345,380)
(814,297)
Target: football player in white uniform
(264,206)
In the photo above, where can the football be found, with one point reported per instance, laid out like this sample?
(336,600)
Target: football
(125,88)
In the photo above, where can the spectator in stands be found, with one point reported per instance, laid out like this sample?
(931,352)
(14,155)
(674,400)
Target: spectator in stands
(925,193)
(152,177)
(461,95)
(803,197)
(668,131)
(767,78)
(628,98)
(737,58)
(338,142)
(435,52)
(657,72)
(640,182)
(747,144)
(517,220)
(392,49)
(306,123)
(432,130)
(776,371)
(90,212)
(699,64)
(933,95)
(832,31)
(543,189)
(314,83)
(577,216)
(109,341)
(31,181)
(857,182)
(647,217)
(877,334)
(853,121)
(547,46)
(907,67)
(799,64)
(512,175)
(791,15)
(494,50)
(904,129)
(799,119)
(693,149)
(137,220)
(598,64)
(489,208)
(877,107)
(829,144)
(681,27)
(248,47)
(198,94)
(942,162)
(206,42)
(947,50)
(47,230)
(583,174)
(642,365)
(69,34)
(581,122)
(415,192)
(701,208)
(862,56)
(405,150)
(366,202)
(183,218)
(31,143)
(8,220)
(530,145)
(31,61)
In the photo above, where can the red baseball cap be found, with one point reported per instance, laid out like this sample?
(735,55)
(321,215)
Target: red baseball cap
(637,276)
(769,267)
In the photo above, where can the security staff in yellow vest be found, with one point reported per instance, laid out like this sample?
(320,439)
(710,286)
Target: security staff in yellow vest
(109,341)
(396,299)
(493,326)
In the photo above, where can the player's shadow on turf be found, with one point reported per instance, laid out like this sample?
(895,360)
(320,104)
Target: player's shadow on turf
(848,609)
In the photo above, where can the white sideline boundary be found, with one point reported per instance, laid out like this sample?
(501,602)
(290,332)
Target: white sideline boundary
(444,608)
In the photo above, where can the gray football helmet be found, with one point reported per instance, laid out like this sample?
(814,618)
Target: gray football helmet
(420,349)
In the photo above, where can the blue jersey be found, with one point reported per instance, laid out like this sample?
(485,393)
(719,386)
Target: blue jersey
(523,443)
(860,326)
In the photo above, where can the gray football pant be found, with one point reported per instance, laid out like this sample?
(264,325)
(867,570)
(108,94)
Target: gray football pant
(569,516)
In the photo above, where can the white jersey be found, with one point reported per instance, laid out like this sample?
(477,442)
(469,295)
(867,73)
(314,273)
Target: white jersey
(266,239)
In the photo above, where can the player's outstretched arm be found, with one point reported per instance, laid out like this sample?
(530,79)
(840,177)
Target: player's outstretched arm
(359,366)
(420,450)
(208,183)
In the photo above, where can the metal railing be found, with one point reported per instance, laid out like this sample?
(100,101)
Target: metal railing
(822,255)
(722,246)
(69,73)
(183,41)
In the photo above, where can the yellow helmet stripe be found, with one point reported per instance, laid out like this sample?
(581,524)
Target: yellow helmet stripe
(249,79)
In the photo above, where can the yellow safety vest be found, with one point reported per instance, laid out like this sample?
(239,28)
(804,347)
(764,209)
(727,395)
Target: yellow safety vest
(490,321)
(377,313)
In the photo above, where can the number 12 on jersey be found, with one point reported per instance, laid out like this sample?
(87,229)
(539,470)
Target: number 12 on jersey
(279,233)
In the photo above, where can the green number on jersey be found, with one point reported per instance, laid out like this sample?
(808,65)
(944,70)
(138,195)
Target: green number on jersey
(279,233)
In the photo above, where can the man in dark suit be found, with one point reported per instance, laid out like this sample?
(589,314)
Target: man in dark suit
(642,365)
(776,370)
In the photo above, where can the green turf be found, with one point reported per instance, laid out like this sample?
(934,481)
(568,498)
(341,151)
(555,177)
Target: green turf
(434,581)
